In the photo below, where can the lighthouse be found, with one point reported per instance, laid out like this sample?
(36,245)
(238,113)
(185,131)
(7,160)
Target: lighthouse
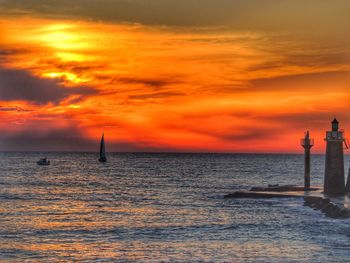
(334,181)
(347,186)
(307,143)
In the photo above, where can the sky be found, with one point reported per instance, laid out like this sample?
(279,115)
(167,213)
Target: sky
(172,75)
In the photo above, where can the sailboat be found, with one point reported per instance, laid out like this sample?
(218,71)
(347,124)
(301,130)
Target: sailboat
(102,158)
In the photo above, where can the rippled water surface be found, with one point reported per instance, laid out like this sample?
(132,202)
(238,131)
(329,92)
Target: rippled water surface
(160,207)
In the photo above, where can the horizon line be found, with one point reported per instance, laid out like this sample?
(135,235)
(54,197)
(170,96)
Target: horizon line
(161,152)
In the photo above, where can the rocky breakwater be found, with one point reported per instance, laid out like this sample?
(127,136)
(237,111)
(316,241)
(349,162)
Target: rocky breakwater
(325,205)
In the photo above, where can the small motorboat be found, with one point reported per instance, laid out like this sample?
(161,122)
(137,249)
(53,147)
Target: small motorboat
(43,161)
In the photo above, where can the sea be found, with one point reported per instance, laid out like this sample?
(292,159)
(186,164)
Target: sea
(161,207)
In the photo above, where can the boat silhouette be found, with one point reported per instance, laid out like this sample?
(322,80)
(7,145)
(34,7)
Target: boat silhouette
(102,158)
(43,161)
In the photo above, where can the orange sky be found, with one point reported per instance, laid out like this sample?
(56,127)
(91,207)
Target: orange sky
(167,87)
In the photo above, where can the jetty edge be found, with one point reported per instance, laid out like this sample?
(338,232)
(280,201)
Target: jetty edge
(273,191)
(331,206)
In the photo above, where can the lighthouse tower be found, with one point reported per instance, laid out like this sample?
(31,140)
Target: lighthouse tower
(307,144)
(334,182)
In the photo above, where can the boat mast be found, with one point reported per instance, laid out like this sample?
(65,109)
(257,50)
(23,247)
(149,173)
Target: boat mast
(102,147)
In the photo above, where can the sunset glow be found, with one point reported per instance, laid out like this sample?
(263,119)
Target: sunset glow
(166,87)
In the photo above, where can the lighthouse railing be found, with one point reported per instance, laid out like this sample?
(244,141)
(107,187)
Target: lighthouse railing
(306,142)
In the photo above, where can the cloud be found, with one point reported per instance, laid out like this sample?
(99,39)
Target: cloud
(9,109)
(153,82)
(61,139)
(75,67)
(5,52)
(303,120)
(156,95)
(69,138)
(318,80)
(256,79)
(298,15)
(242,136)
(22,86)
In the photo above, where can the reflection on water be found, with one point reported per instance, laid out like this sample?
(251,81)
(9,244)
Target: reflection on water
(160,207)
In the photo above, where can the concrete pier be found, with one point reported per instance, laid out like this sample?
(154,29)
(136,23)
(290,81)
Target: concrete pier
(334,181)
(331,206)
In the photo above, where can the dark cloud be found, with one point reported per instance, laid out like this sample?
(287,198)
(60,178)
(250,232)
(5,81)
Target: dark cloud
(304,58)
(21,85)
(74,67)
(324,80)
(310,58)
(68,139)
(156,95)
(247,135)
(308,120)
(240,14)
(5,52)
(209,113)
(153,82)
(18,109)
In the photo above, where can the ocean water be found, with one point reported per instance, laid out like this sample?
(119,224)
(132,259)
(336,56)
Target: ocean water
(160,207)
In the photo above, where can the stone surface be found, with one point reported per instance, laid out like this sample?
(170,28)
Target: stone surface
(282,188)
